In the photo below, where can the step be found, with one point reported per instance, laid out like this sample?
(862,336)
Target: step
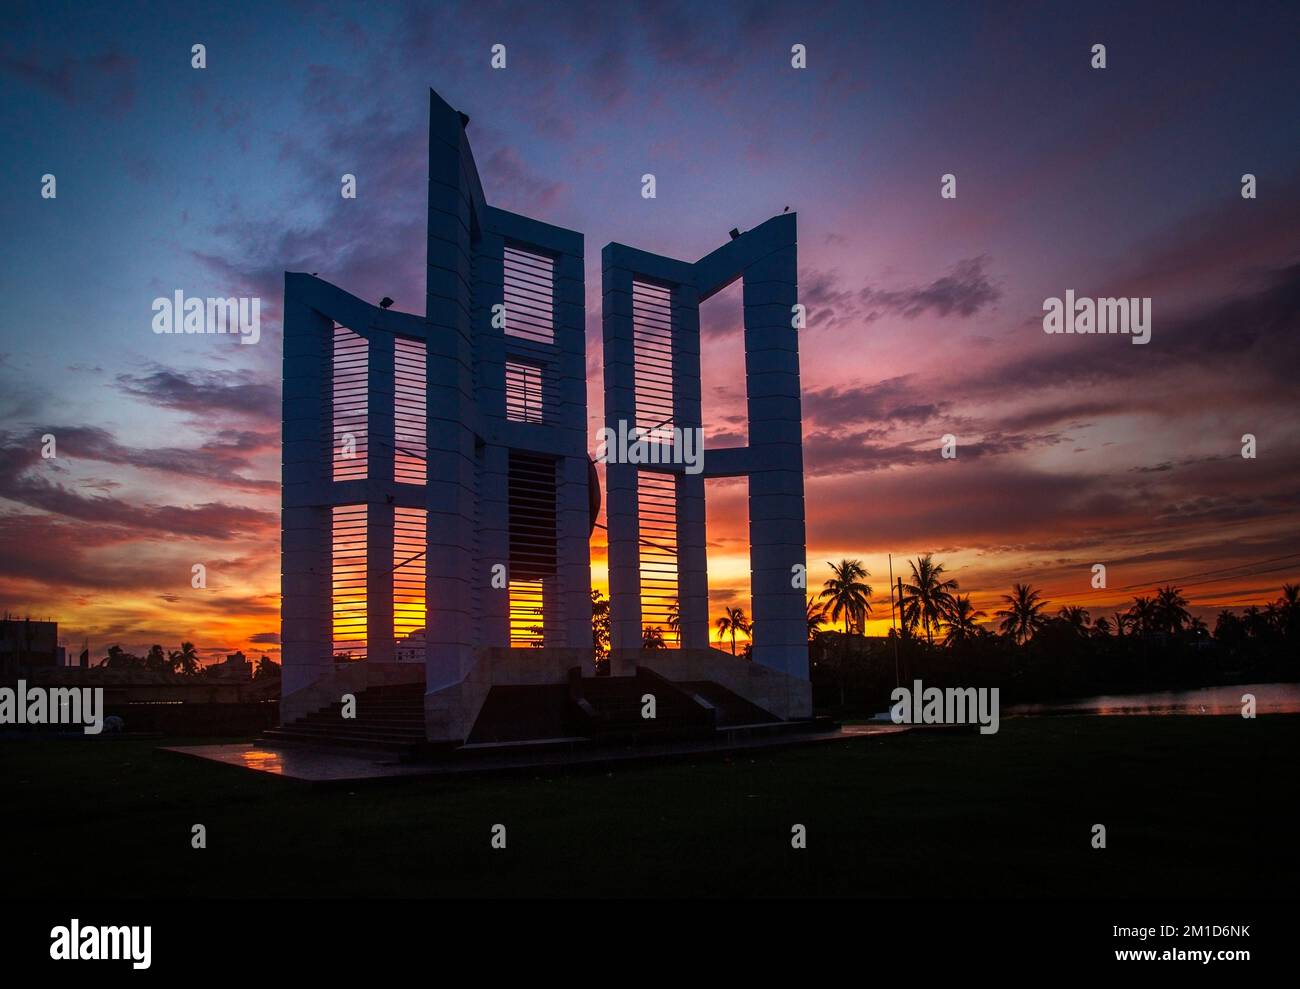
(278,736)
(359,731)
(334,719)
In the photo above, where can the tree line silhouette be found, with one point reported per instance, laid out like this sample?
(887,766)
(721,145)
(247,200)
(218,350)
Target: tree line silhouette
(1035,652)
(177,662)
(1028,648)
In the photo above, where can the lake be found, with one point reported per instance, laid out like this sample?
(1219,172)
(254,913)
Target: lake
(1270,698)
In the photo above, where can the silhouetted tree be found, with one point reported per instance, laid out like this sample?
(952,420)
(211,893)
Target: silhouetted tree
(1143,618)
(929,596)
(1288,606)
(155,661)
(816,615)
(600,628)
(119,659)
(1023,615)
(1076,617)
(846,594)
(266,668)
(962,620)
(1171,612)
(185,660)
(733,621)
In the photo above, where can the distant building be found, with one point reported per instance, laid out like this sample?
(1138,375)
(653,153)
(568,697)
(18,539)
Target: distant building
(27,645)
(235,668)
(411,648)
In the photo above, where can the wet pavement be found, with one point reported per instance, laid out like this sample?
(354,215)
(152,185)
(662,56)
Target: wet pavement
(326,765)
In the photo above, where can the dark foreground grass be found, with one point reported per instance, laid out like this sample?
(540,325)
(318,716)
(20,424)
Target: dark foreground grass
(1192,807)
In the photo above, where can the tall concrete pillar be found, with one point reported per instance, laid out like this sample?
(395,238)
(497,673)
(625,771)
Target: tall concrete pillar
(621,478)
(449,644)
(491,604)
(379,512)
(776,502)
(305,559)
(573,514)
(692,554)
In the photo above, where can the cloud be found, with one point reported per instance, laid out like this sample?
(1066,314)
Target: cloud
(105,81)
(892,400)
(205,394)
(832,452)
(1255,332)
(829,302)
(964,291)
(27,479)
(514,185)
(218,460)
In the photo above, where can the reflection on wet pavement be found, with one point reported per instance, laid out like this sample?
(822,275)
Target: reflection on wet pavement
(317,765)
(326,765)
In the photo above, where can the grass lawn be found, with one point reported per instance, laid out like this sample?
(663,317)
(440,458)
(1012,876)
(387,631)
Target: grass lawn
(1193,806)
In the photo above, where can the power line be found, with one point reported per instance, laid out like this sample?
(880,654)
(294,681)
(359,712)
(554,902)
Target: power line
(643,541)
(1202,573)
(1255,573)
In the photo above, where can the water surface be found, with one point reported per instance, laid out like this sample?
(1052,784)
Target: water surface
(1270,698)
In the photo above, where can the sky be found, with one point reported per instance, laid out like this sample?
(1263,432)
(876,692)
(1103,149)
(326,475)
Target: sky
(924,313)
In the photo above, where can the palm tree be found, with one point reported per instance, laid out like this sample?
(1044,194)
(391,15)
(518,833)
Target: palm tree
(266,667)
(119,659)
(189,659)
(1142,615)
(962,620)
(1290,596)
(1171,609)
(847,594)
(675,622)
(1023,615)
(1076,617)
(1101,627)
(1256,621)
(156,660)
(816,614)
(733,621)
(652,637)
(929,597)
(1289,607)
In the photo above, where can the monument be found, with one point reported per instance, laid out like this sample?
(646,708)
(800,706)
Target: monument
(438,493)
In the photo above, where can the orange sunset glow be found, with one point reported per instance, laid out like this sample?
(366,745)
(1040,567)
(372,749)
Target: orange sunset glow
(924,316)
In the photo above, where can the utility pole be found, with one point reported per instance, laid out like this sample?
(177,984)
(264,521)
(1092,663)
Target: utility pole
(901,619)
(892,620)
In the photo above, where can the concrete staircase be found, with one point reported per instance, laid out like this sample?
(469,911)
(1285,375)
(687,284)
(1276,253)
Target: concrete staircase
(609,709)
(732,709)
(587,711)
(388,719)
